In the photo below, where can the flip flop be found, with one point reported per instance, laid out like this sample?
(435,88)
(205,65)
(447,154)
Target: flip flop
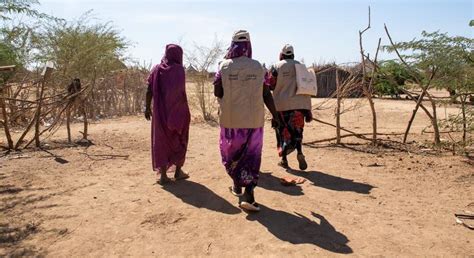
(300,181)
(234,193)
(288,181)
(249,206)
(302,162)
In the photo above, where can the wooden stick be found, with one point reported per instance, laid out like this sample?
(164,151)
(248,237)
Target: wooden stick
(367,89)
(351,135)
(28,128)
(464,120)
(68,124)
(5,121)
(343,129)
(338,109)
(423,93)
(50,127)
(38,114)
(421,104)
(414,74)
(7,68)
(464,216)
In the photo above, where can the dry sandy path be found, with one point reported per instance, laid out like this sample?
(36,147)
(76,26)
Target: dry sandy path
(104,202)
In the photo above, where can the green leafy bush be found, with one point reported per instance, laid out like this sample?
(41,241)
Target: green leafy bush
(390,78)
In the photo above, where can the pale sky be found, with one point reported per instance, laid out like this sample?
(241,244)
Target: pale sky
(319,30)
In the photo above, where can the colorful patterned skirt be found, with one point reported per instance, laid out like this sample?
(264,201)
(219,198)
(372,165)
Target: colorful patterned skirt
(290,133)
(241,151)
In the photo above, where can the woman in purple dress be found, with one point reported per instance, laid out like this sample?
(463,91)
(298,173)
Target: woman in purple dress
(239,87)
(170,114)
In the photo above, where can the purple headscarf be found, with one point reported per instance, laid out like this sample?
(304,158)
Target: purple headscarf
(171,117)
(173,55)
(238,49)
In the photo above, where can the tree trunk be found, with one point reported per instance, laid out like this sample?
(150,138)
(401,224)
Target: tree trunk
(434,121)
(374,118)
(92,97)
(5,120)
(92,107)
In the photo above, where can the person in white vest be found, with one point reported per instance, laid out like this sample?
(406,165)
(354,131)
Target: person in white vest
(239,87)
(293,110)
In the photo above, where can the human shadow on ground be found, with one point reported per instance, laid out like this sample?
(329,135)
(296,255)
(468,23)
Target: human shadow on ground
(298,229)
(269,182)
(333,182)
(200,196)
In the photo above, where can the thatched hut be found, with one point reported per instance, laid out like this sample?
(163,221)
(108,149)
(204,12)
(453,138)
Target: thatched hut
(326,81)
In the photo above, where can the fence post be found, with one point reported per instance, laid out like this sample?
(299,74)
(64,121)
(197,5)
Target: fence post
(48,69)
(338,108)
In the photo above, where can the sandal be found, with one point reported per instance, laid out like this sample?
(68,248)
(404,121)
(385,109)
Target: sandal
(288,181)
(247,201)
(250,206)
(302,162)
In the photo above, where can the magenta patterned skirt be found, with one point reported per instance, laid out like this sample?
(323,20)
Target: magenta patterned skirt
(241,151)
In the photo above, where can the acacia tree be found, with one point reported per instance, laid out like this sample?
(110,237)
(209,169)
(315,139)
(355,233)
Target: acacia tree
(86,49)
(80,49)
(21,34)
(436,60)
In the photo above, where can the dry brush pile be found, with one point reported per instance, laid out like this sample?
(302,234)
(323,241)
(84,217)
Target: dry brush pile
(39,105)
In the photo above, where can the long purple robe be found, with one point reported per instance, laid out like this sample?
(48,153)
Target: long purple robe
(170,115)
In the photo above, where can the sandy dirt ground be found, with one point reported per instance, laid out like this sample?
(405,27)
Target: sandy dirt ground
(102,200)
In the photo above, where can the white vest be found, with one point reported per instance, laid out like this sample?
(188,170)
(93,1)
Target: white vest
(242,105)
(284,95)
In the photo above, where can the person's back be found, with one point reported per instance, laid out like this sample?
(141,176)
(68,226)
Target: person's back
(173,99)
(170,114)
(241,94)
(284,93)
(293,109)
(242,105)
